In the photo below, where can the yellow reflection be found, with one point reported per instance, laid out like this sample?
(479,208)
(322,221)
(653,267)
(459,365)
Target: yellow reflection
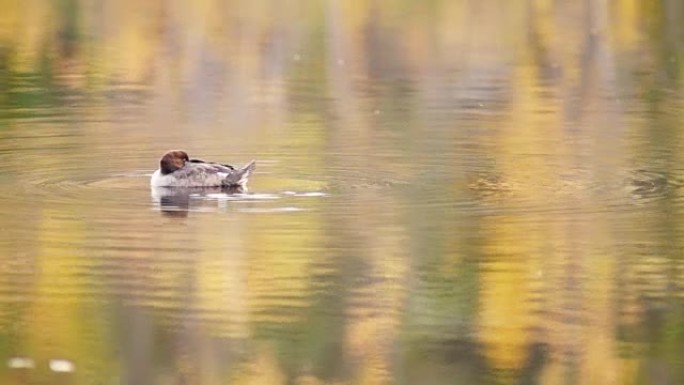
(628,31)
(279,267)
(221,285)
(26,29)
(509,280)
(60,327)
(374,324)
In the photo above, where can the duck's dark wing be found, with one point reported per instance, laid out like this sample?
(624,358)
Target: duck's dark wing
(223,167)
(198,173)
(195,174)
(210,172)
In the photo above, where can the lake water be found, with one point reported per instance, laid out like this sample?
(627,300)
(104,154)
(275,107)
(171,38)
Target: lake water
(446,192)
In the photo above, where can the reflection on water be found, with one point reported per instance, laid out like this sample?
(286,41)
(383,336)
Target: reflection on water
(178,201)
(448,192)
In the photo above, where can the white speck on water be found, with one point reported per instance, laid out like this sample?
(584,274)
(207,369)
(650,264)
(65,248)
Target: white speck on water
(20,363)
(296,57)
(61,366)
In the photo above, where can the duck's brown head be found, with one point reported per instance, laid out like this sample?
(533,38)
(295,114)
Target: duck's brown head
(172,161)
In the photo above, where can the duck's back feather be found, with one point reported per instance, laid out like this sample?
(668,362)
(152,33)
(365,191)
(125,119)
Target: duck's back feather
(203,174)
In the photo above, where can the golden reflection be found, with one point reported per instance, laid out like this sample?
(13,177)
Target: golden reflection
(60,324)
(371,330)
(510,281)
(279,268)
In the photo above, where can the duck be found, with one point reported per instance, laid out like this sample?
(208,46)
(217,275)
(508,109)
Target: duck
(176,169)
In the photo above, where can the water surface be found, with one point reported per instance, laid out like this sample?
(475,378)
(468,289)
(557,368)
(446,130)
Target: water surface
(449,192)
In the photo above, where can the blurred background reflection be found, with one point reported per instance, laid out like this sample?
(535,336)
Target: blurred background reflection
(472,192)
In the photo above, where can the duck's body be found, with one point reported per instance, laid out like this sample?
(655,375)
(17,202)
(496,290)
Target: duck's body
(176,169)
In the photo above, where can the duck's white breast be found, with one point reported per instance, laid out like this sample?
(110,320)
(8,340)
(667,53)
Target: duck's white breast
(160,180)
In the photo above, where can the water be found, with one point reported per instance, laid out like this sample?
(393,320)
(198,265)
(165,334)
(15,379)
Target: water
(450,192)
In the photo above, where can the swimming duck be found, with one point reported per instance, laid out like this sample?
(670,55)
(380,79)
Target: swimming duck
(176,169)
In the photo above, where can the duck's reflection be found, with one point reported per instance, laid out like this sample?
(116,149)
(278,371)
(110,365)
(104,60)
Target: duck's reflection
(178,201)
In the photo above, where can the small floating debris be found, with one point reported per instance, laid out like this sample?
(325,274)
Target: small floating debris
(242,197)
(305,194)
(312,194)
(21,363)
(61,366)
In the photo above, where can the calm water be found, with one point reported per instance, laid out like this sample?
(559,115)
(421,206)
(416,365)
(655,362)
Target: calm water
(458,192)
